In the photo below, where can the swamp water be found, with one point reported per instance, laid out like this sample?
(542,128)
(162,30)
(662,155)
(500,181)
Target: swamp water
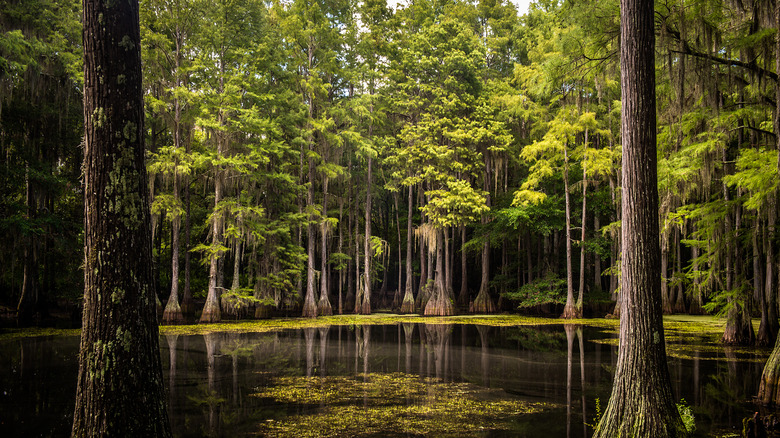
(385,380)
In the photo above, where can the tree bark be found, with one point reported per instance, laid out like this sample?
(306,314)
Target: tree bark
(439,303)
(120,387)
(641,403)
(769,389)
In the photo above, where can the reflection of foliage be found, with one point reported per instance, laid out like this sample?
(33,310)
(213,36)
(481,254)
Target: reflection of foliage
(208,398)
(369,404)
(719,389)
(238,348)
(535,339)
(549,289)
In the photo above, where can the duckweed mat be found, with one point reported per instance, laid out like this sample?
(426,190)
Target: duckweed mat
(395,404)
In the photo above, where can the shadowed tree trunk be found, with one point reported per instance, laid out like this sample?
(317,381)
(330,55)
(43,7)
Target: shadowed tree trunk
(641,403)
(120,386)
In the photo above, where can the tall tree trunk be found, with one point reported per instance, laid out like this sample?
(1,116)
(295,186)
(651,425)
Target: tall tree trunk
(463,295)
(763,337)
(341,250)
(665,301)
(569,310)
(120,386)
(597,259)
(365,307)
(187,303)
(173,313)
(397,295)
(769,389)
(211,311)
(581,295)
(407,306)
(483,303)
(323,307)
(641,403)
(739,330)
(28,300)
(679,304)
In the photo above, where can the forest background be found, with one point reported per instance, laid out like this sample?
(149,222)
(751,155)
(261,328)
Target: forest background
(316,157)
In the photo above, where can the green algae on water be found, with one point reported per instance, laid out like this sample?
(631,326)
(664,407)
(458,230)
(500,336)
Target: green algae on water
(396,404)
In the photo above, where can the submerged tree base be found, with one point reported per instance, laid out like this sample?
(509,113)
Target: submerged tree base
(373,404)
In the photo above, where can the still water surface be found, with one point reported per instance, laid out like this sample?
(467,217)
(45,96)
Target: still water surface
(218,384)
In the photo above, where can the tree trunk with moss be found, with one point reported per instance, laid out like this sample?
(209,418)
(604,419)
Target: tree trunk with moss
(120,386)
(641,403)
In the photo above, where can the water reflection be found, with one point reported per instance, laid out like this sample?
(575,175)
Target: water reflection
(212,378)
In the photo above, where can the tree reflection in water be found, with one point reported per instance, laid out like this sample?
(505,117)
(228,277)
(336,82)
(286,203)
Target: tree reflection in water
(520,363)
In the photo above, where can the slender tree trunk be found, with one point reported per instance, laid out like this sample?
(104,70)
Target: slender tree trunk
(764,337)
(397,296)
(641,404)
(173,313)
(187,304)
(679,304)
(483,303)
(463,295)
(28,300)
(323,307)
(665,301)
(407,306)
(120,386)
(569,310)
(341,250)
(529,257)
(581,295)
(365,307)
(597,259)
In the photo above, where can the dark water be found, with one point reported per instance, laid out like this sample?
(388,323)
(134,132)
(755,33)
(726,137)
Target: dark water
(210,378)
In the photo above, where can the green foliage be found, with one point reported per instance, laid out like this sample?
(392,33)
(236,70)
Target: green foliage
(686,413)
(549,289)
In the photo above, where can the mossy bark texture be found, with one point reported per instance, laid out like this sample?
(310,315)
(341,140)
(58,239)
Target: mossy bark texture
(641,404)
(120,387)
